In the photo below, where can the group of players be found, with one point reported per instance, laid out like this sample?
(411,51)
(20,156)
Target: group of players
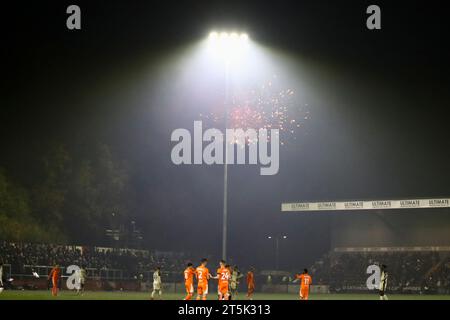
(227,277)
(228,280)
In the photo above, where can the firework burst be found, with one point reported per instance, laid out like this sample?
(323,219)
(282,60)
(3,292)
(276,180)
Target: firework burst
(268,106)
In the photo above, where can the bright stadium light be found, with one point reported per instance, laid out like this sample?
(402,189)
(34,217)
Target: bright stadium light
(228,46)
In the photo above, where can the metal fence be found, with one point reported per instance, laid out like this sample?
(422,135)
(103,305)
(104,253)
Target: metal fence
(93,273)
(107,274)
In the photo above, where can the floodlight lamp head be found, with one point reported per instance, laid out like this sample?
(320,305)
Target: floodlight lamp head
(228,45)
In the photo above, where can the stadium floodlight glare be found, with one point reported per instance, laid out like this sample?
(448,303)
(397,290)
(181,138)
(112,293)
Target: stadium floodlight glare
(228,46)
(243,37)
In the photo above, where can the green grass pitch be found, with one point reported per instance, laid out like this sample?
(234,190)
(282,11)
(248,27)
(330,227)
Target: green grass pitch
(102,295)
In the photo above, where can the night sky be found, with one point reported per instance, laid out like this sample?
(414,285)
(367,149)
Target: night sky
(378,102)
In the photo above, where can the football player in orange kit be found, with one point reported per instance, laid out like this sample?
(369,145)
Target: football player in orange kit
(189,273)
(250,283)
(223,275)
(54,276)
(305,282)
(202,274)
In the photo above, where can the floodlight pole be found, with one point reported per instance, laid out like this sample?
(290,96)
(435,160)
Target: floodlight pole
(277,253)
(277,240)
(225,167)
(234,37)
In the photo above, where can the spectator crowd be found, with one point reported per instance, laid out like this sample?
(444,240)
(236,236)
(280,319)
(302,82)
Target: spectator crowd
(132,263)
(409,271)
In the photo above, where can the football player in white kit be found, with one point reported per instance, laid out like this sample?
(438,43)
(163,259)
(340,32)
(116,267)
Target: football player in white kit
(81,280)
(157,283)
(383,282)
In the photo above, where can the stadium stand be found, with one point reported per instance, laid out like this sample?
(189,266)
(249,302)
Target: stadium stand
(131,263)
(411,270)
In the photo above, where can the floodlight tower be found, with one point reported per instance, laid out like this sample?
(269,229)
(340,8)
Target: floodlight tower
(228,47)
(277,240)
